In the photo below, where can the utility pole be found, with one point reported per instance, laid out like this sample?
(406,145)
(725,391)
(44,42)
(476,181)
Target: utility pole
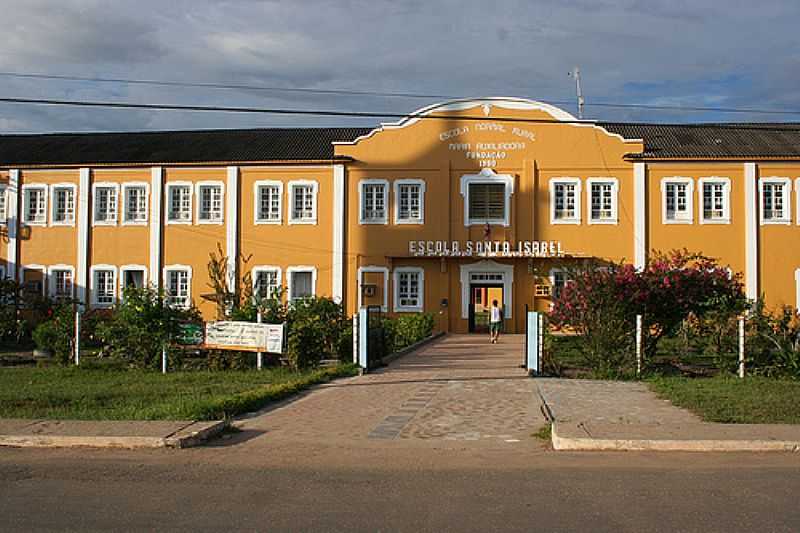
(576,73)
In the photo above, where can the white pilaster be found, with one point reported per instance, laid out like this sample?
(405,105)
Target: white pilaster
(232,225)
(751,232)
(639,215)
(339,221)
(156,195)
(12,223)
(82,268)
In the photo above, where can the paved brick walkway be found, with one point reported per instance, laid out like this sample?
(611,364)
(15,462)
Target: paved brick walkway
(459,388)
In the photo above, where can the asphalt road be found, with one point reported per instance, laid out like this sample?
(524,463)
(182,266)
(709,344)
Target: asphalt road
(330,488)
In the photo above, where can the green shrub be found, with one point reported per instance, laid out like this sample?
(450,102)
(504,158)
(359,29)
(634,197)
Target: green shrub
(57,333)
(773,341)
(410,328)
(315,331)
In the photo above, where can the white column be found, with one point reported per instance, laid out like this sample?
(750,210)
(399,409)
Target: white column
(339,222)
(156,195)
(82,268)
(751,231)
(639,215)
(12,223)
(232,227)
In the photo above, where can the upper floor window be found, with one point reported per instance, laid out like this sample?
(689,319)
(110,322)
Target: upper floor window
(409,289)
(303,195)
(134,199)
(104,285)
(676,200)
(179,203)
(209,203)
(602,200)
(3,194)
(105,203)
(60,282)
(178,285)
(34,201)
(565,201)
(374,201)
(715,197)
(487,198)
(409,198)
(266,282)
(268,199)
(302,282)
(63,204)
(775,200)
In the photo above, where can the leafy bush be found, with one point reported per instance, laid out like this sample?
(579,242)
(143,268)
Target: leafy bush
(316,326)
(410,328)
(140,325)
(773,341)
(57,334)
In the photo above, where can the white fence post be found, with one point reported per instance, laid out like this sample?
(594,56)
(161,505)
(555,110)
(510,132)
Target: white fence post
(77,345)
(259,355)
(638,345)
(355,338)
(164,358)
(741,347)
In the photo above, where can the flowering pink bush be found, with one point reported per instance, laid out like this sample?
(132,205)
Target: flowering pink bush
(602,300)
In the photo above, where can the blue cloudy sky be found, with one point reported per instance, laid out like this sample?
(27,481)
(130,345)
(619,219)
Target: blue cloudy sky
(711,53)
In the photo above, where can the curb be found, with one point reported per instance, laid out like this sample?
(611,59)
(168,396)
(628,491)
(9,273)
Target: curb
(669,445)
(183,438)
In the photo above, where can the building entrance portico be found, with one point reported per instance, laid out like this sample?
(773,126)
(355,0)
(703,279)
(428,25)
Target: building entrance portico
(481,283)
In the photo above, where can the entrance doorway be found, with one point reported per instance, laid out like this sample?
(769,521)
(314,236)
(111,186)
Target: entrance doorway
(481,297)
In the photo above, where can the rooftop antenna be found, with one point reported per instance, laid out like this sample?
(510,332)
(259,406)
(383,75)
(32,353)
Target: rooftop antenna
(576,73)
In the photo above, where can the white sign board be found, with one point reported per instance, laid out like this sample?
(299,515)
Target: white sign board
(247,336)
(485,249)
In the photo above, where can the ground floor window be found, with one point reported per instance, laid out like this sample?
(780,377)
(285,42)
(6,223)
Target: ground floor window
(60,283)
(104,285)
(409,285)
(178,285)
(266,282)
(302,282)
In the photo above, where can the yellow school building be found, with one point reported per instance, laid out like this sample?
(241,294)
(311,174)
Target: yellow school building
(442,212)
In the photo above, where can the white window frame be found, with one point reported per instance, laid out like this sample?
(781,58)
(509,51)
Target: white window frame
(786,184)
(487,175)
(128,268)
(4,210)
(37,268)
(93,285)
(266,268)
(178,268)
(126,187)
(551,276)
(257,202)
(797,289)
(576,220)
(422,187)
(396,289)
(30,187)
(51,279)
(295,269)
(314,192)
(679,180)
(362,184)
(53,205)
(797,195)
(199,204)
(376,270)
(726,195)
(614,200)
(168,202)
(105,185)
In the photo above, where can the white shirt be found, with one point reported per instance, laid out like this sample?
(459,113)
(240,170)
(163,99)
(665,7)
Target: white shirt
(496,315)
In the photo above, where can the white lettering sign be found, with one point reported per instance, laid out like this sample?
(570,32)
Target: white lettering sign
(485,249)
(486,153)
(246,336)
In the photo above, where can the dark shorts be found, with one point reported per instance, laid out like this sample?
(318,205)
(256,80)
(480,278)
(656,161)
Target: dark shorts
(494,327)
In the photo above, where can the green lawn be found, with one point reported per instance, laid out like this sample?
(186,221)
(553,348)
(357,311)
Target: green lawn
(753,400)
(112,394)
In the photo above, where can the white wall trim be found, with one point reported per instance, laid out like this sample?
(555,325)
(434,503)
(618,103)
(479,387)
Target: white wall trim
(422,188)
(290,204)
(396,289)
(82,207)
(179,268)
(125,268)
(797,289)
(168,201)
(797,196)
(301,268)
(726,208)
(339,224)
(266,268)
(257,201)
(124,203)
(198,204)
(105,185)
(568,180)
(751,231)
(92,270)
(487,175)
(377,270)
(786,184)
(34,187)
(51,279)
(614,200)
(156,210)
(231,216)
(369,221)
(682,180)
(487,265)
(639,215)
(12,223)
(64,185)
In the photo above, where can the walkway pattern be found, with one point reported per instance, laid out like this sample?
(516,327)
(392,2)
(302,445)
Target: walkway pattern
(459,388)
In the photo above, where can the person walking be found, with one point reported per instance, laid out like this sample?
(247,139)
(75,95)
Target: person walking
(495,322)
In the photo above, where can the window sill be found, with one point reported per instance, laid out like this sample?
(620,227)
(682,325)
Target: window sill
(493,222)
(134,223)
(178,222)
(210,222)
(382,222)
(407,309)
(266,222)
(409,221)
(714,222)
(776,222)
(603,222)
(302,221)
(668,222)
(104,223)
(565,221)
(62,224)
